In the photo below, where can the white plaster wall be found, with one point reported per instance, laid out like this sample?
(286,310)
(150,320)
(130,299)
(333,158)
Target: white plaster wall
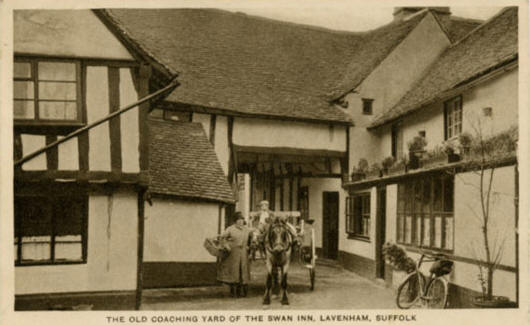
(316,186)
(468,216)
(77,33)
(354,246)
(221,142)
(68,154)
(129,126)
(389,82)
(499,93)
(204,119)
(97,106)
(31,143)
(290,134)
(111,260)
(175,230)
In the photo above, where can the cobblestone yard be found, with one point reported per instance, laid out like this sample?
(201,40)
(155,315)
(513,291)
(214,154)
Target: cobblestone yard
(335,288)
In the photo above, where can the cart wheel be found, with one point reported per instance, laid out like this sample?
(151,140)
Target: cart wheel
(312,277)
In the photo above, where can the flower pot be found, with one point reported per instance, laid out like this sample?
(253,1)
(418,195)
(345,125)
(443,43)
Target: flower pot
(495,302)
(453,157)
(357,176)
(414,161)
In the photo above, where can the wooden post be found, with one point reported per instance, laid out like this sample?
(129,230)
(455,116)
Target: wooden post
(140,249)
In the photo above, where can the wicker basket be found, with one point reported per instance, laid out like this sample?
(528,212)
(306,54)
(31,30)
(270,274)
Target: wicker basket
(217,247)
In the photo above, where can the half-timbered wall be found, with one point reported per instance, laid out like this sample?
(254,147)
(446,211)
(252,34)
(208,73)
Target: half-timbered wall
(111,252)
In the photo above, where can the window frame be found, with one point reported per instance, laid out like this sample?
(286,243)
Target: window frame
(36,120)
(368,106)
(452,127)
(354,220)
(428,214)
(53,202)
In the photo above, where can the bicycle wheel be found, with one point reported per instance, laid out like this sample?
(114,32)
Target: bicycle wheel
(437,293)
(409,290)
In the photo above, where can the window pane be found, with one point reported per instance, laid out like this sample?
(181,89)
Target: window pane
(401,198)
(408,229)
(438,231)
(366,205)
(24,109)
(437,192)
(64,71)
(36,248)
(23,90)
(22,70)
(426,195)
(34,215)
(417,197)
(448,194)
(58,110)
(57,90)
(69,251)
(449,233)
(426,231)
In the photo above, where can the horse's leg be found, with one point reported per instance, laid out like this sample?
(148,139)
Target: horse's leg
(275,280)
(285,270)
(268,284)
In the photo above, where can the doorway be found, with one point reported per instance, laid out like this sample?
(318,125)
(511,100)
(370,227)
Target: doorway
(330,224)
(380,228)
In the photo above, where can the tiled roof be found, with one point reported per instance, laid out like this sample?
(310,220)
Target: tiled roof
(182,162)
(486,47)
(254,65)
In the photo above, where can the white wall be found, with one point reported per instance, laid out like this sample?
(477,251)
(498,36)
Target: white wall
(390,81)
(316,186)
(130,134)
(221,142)
(175,230)
(499,93)
(290,134)
(111,259)
(75,33)
(354,246)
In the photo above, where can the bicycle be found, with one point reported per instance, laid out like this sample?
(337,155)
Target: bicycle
(433,293)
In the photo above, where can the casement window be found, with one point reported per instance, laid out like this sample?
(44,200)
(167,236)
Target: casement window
(50,230)
(47,91)
(425,212)
(358,215)
(397,140)
(368,106)
(453,117)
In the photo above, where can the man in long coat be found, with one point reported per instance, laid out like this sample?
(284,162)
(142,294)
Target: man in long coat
(234,269)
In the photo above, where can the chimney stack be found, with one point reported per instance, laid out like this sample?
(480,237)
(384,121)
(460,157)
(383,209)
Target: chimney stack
(400,13)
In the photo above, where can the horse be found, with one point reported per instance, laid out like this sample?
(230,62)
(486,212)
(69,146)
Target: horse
(278,247)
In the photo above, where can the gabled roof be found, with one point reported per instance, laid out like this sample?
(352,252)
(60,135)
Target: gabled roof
(487,47)
(183,163)
(254,65)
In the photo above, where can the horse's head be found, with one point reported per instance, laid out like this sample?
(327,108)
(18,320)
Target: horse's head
(279,238)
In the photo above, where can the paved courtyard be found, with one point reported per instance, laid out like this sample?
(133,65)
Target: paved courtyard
(335,288)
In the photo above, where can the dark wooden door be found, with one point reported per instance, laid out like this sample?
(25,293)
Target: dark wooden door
(330,224)
(380,226)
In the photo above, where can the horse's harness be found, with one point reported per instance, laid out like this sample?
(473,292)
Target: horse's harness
(269,235)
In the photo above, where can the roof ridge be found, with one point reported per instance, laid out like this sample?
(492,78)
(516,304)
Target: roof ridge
(485,23)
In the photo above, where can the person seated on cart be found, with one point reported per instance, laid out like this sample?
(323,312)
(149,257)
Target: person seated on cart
(306,248)
(234,270)
(266,217)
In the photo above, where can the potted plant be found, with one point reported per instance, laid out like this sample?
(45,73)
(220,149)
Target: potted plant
(450,150)
(387,163)
(416,149)
(399,166)
(465,140)
(434,157)
(359,172)
(375,171)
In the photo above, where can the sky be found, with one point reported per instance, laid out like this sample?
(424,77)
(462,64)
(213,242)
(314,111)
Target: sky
(341,18)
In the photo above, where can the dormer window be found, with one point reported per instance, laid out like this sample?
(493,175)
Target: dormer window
(367,106)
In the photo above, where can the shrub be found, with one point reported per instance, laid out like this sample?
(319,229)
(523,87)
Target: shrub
(362,166)
(418,143)
(388,162)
